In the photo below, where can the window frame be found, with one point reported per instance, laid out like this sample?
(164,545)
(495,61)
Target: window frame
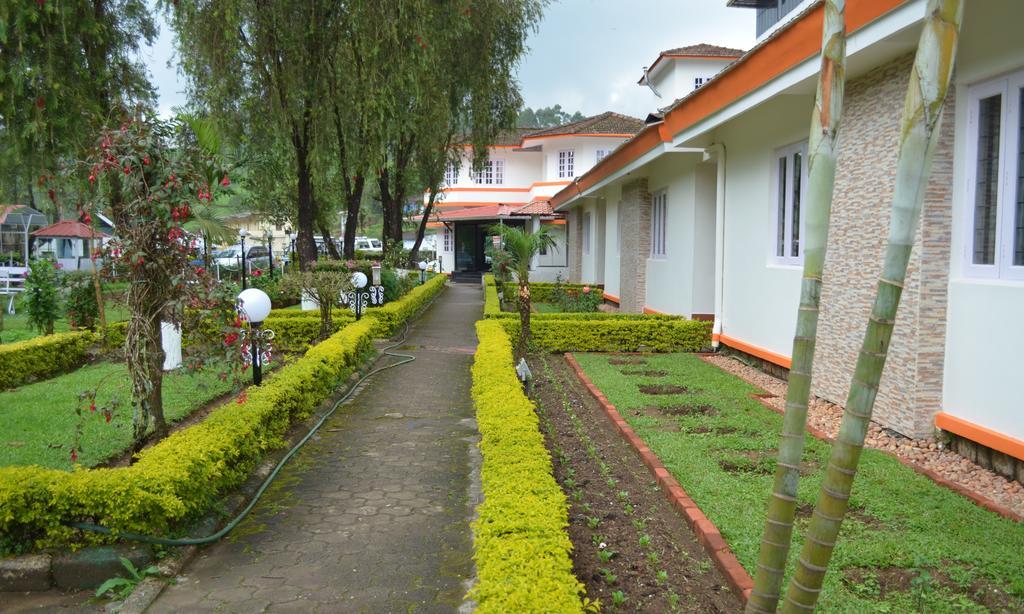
(446,240)
(699,81)
(1009,87)
(659,229)
(602,154)
(788,153)
(566,163)
(492,172)
(451,174)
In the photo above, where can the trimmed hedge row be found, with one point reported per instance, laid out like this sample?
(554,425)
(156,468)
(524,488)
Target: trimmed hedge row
(543,291)
(43,357)
(492,309)
(184,474)
(391,316)
(294,334)
(522,548)
(608,335)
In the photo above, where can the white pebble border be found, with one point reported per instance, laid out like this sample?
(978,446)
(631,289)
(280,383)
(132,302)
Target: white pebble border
(928,453)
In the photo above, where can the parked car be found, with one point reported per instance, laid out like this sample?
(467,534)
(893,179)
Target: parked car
(368,245)
(231,257)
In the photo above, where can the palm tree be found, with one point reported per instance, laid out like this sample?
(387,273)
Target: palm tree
(922,114)
(821,175)
(521,246)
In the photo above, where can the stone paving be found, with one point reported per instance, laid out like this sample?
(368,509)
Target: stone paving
(373,514)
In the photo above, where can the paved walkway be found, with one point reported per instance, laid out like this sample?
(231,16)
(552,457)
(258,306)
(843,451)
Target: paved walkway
(373,514)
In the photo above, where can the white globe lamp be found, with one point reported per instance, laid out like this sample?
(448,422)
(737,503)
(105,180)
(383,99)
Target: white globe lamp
(255,304)
(359,280)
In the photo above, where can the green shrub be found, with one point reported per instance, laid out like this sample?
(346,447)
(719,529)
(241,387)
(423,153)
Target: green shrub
(41,297)
(183,475)
(80,305)
(614,335)
(43,357)
(521,547)
(391,316)
(545,292)
(297,334)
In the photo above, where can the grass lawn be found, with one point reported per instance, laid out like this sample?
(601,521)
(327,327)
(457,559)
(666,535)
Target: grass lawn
(37,422)
(547,308)
(900,523)
(17,328)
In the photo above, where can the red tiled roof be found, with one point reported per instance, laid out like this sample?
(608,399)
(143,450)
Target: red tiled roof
(537,207)
(69,229)
(605,123)
(485,212)
(704,50)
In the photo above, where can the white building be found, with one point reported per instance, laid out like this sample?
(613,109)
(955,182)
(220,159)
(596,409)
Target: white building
(677,72)
(699,215)
(524,169)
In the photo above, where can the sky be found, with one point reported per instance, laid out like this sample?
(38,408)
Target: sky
(587,55)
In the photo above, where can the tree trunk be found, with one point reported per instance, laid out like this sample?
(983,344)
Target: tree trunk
(332,249)
(306,244)
(524,316)
(824,135)
(421,229)
(351,228)
(922,114)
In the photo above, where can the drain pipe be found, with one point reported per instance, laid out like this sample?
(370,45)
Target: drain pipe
(717,151)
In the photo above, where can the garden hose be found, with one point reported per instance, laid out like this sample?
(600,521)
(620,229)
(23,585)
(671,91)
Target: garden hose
(198,541)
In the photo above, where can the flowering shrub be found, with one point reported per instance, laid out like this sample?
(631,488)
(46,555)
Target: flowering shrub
(575,299)
(80,306)
(42,299)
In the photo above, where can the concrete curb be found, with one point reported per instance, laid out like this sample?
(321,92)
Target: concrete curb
(707,533)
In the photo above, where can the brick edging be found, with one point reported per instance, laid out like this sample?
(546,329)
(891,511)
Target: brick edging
(978,498)
(707,533)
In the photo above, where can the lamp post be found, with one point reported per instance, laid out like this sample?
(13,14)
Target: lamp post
(241,238)
(423,271)
(359,282)
(269,236)
(375,269)
(254,304)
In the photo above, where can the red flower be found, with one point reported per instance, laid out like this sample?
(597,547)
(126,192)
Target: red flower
(92,406)
(74,455)
(230,338)
(200,271)
(127,170)
(242,398)
(86,218)
(225,181)
(256,272)
(107,415)
(92,178)
(145,160)
(586,289)
(41,101)
(58,265)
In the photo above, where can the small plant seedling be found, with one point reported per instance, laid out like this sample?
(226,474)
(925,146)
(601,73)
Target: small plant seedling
(593,522)
(673,600)
(598,540)
(612,482)
(605,555)
(639,524)
(608,576)
(120,588)
(704,566)
(570,473)
(569,483)
(645,541)
(662,577)
(591,605)
(585,507)
(623,495)
(618,599)
(577,495)
(652,556)
(627,509)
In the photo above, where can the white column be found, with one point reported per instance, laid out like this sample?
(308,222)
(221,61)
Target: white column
(170,339)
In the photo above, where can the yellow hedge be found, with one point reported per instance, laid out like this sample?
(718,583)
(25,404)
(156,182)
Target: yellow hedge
(43,357)
(522,549)
(181,476)
(295,334)
(391,316)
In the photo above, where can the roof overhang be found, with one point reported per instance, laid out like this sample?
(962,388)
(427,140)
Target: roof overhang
(752,4)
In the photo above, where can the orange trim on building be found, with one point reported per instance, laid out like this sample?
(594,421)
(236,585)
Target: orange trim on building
(654,312)
(716,337)
(610,297)
(753,350)
(611,135)
(486,190)
(554,222)
(465,205)
(791,46)
(537,184)
(980,434)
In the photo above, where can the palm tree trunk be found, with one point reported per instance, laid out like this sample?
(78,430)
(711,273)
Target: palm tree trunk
(922,114)
(524,315)
(824,135)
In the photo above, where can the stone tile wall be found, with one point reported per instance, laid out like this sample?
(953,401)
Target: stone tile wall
(911,387)
(575,226)
(635,237)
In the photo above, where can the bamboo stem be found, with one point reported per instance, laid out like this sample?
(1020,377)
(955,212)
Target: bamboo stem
(922,114)
(824,136)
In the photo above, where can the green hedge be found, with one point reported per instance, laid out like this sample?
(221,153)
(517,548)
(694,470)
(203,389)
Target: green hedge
(43,357)
(183,475)
(391,316)
(295,334)
(521,546)
(575,335)
(543,291)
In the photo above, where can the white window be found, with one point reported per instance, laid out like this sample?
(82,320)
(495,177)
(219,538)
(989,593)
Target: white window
(659,211)
(790,179)
(602,154)
(699,81)
(586,233)
(565,163)
(491,173)
(451,174)
(447,239)
(995,179)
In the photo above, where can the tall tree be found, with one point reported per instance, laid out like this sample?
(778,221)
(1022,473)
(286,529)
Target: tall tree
(260,64)
(63,67)
(824,137)
(922,115)
(546,117)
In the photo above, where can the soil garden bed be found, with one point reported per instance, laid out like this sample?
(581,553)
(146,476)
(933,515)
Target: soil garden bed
(631,549)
